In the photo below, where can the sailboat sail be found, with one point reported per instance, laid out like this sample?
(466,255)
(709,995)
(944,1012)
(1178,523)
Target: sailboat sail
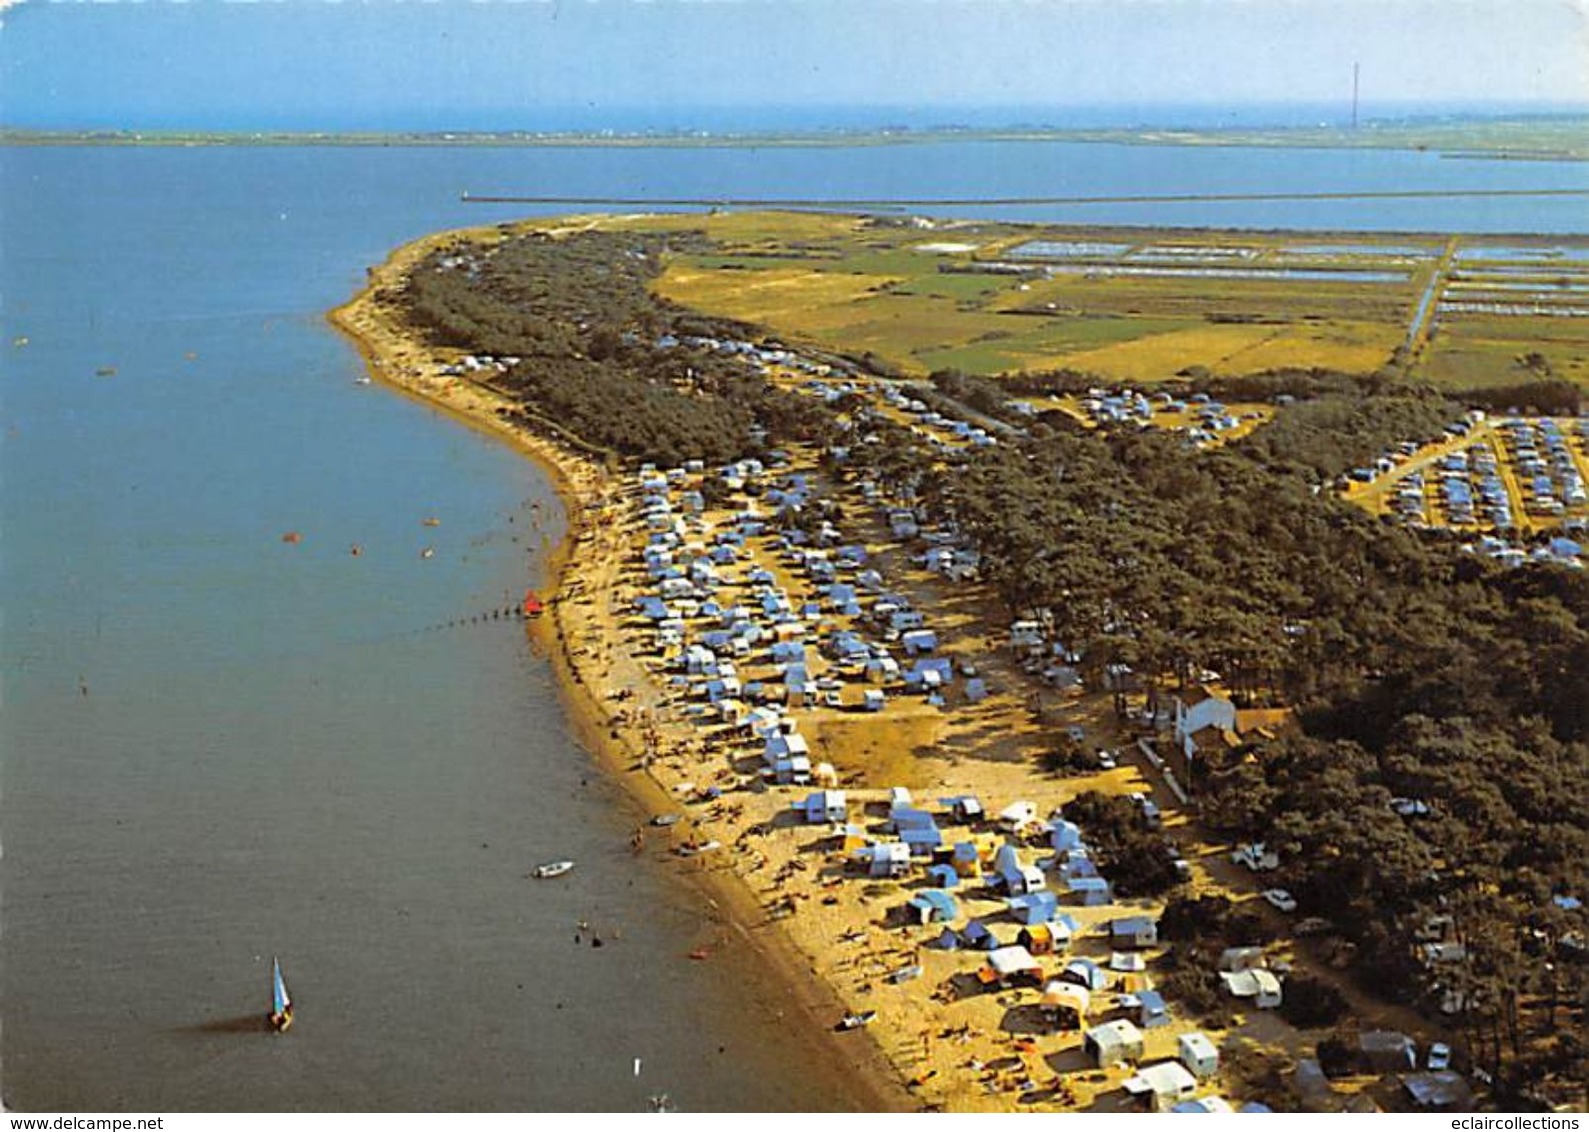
(280,1001)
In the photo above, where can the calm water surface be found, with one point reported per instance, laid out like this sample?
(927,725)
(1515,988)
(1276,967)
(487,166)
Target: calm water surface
(218,745)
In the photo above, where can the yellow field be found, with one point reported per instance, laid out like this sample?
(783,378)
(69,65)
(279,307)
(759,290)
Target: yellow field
(781,297)
(1230,349)
(746,229)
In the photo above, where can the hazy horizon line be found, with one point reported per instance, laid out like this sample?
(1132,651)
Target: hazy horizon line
(773,117)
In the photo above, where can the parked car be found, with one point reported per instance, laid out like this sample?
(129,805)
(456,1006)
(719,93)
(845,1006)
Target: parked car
(1280,899)
(1256,857)
(1106,760)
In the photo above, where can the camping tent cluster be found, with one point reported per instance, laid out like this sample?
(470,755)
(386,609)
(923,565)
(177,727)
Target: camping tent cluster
(746,645)
(1026,941)
(761,612)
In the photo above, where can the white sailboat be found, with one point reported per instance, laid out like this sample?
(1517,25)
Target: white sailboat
(280,1000)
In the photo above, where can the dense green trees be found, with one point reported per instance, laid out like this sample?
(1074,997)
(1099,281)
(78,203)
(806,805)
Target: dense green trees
(1327,436)
(575,312)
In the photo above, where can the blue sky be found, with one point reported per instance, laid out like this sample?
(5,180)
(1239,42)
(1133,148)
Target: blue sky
(546,64)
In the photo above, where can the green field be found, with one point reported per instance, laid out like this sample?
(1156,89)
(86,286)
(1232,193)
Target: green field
(1130,304)
(926,297)
(1475,350)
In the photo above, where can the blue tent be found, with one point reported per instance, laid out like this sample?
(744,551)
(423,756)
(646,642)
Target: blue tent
(934,904)
(1033,908)
(1065,835)
(948,940)
(923,841)
(1085,973)
(943,876)
(1153,1010)
(907,817)
(966,858)
(1092,891)
(976,935)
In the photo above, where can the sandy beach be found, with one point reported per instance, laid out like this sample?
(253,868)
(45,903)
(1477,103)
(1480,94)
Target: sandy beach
(605,691)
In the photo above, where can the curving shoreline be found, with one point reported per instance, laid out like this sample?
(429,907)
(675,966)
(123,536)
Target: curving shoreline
(577,637)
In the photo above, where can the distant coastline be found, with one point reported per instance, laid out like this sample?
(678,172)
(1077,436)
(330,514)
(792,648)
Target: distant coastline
(1522,138)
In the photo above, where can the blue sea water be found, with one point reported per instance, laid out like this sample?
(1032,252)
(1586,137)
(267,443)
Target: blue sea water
(218,745)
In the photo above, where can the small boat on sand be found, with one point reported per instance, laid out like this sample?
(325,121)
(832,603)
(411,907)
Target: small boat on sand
(695,849)
(856,1021)
(280,1000)
(665,820)
(552,869)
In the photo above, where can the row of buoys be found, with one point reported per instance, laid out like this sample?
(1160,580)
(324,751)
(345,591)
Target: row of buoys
(510,613)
